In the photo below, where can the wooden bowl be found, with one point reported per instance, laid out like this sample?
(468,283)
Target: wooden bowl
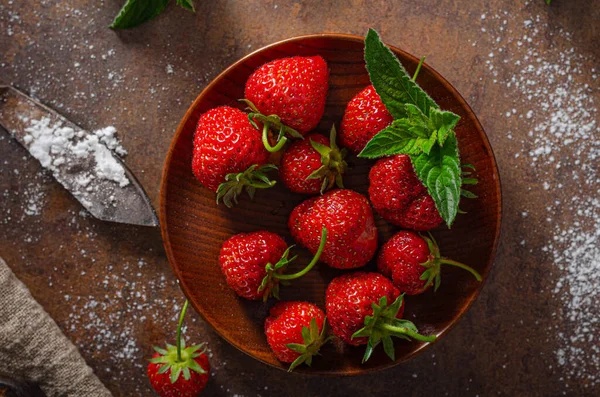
(194,227)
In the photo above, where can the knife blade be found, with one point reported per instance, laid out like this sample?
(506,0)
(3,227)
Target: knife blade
(77,159)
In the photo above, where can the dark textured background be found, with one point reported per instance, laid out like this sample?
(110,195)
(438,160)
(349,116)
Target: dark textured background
(109,287)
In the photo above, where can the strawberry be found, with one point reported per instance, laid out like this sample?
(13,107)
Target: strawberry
(364,117)
(348,217)
(179,371)
(295,331)
(398,195)
(229,155)
(253,263)
(293,88)
(288,95)
(413,262)
(358,311)
(313,165)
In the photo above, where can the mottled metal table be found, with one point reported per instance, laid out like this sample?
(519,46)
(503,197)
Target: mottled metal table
(530,72)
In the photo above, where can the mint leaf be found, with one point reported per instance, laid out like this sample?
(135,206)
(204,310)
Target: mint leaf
(136,12)
(444,122)
(187,4)
(391,81)
(420,123)
(401,137)
(440,173)
(413,134)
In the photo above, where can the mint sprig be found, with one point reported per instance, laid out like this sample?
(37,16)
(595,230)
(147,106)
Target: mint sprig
(136,12)
(420,128)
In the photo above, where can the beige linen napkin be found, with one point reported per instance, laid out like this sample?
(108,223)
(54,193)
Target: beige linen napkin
(33,348)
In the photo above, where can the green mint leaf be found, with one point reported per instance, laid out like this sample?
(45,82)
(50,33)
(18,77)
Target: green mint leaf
(398,138)
(444,122)
(136,12)
(391,81)
(440,173)
(548,2)
(428,144)
(187,4)
(420,123)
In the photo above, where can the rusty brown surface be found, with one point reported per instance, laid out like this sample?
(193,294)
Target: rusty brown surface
(110,288)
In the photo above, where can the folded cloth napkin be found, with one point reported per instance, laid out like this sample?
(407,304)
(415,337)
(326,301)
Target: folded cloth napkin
(33,348)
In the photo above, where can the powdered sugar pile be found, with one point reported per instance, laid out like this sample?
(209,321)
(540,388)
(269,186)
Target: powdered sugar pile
(553,90)
(52,144)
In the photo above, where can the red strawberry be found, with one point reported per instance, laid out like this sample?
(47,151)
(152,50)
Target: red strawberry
(253,263)
(295,331)
(179,371)
(413,262)
(348,217)
(294,89)
(364,117)
(313,164)
(358,312)
(226,144)
(399,196)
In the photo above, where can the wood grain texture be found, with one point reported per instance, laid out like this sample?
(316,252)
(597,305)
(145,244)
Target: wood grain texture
(194,227)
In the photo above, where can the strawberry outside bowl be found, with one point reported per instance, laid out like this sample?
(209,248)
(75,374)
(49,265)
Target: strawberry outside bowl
(194,227)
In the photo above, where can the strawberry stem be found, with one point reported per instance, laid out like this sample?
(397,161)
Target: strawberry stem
(181,315)
(265,141)
(310,265)
(270,122)
(433,265)
(414,78)
(401,331)
(462,266)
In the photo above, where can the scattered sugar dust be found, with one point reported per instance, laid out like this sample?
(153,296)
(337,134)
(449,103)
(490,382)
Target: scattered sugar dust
(553,98)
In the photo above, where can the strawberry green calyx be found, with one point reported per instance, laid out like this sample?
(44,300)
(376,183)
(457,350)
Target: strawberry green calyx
(435,262)
(383,324)
(270,284)
(270,122)
(313,340)
(179,359)
(333,162)
(255,177)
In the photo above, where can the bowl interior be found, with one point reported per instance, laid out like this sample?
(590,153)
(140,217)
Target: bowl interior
(194,227)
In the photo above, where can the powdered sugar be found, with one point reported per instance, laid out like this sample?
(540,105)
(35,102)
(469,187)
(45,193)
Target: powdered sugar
(34,200)
(553,88)
(52,144)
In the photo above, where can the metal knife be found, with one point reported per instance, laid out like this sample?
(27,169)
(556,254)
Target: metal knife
(104,198)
